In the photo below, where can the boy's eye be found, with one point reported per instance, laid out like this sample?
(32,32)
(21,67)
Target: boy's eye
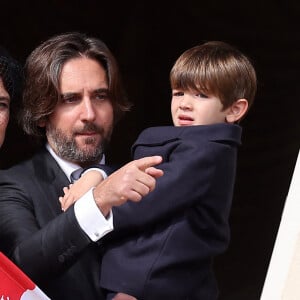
(201,95)
(178,93)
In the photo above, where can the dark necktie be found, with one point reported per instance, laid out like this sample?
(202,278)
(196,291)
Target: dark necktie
(75,175)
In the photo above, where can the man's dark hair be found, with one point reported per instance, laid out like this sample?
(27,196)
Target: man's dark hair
(42,74)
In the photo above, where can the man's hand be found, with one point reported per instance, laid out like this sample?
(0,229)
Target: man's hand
(122,296)
(131,182)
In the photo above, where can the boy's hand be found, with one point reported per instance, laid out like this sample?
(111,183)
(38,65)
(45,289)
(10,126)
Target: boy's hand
(68,198)
(89,179)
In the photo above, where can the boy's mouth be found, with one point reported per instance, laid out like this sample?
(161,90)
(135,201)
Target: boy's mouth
(185,120)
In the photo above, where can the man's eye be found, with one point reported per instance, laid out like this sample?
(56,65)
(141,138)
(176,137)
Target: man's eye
(101,96)
(70,99)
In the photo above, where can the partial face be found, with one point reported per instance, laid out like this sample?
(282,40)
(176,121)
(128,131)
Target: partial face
(82,122)
(193,108)
(4,111)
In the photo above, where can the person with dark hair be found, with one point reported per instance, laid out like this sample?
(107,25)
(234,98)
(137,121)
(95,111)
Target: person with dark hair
(72,99)
(164,246)
(10,83)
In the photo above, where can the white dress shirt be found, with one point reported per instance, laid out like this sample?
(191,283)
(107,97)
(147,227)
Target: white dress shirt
(87,213)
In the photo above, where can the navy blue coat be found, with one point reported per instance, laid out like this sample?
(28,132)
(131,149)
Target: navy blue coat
(163,247)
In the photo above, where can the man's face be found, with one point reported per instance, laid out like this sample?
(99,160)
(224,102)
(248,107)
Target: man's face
(4,111)
(81,125)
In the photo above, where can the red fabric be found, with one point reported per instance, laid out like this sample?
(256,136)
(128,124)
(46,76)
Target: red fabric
(13,282)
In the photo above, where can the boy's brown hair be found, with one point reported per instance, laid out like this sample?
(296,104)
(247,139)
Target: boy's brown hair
(218,69)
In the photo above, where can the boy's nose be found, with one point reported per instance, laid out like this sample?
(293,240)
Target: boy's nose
(185,103)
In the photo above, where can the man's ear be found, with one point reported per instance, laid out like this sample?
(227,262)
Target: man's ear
(42,123)
(237,110)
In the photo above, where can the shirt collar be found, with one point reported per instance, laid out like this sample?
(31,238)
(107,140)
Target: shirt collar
(66,166)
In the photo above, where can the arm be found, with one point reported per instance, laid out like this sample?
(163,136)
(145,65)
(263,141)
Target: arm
(32,233)
(189,177)
(131,182)
(89,179)
(93,177)
(35,234)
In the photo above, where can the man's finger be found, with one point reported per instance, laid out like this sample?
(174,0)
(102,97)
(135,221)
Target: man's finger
(154,172)
(147,162)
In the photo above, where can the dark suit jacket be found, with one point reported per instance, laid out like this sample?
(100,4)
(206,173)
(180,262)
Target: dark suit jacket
(48,245)
(163,247)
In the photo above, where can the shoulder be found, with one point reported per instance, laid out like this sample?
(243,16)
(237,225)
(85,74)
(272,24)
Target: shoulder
(32,167)
(221,131)
(160,133)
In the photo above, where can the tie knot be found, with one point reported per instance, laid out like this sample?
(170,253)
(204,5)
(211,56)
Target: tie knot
(75,175)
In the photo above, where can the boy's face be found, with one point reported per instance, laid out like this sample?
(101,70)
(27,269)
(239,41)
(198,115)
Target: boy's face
(193,108)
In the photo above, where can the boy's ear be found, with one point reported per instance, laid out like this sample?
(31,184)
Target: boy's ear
(237,110)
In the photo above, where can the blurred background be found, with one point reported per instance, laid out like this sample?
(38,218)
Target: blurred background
(147,37)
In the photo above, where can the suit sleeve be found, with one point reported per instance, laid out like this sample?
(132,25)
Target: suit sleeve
(189,174)
(42,249)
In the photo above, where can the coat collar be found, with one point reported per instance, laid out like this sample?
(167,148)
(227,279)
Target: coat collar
(225,132)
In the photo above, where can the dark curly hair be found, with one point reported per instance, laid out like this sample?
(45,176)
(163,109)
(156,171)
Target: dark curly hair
(11,74)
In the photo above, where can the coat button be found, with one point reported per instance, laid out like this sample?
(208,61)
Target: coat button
(61,258)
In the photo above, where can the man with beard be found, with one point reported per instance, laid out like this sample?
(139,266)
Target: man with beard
(72,98)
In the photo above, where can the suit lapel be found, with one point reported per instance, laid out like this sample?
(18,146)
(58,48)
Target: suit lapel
(50,181)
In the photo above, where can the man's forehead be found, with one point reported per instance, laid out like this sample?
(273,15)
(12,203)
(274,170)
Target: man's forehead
(79,92)
(82,74)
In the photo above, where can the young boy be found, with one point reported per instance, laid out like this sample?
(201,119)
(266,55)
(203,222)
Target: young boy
(163,247)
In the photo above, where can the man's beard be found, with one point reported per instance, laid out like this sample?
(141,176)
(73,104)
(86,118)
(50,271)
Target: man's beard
(67,148)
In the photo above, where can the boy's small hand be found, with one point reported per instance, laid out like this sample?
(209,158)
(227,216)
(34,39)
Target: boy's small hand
(76,190)
(68,199)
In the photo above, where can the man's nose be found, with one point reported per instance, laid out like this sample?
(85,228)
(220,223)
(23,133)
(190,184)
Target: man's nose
(88,112)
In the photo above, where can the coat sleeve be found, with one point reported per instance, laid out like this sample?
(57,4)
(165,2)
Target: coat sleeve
(42,243)
(191,177)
